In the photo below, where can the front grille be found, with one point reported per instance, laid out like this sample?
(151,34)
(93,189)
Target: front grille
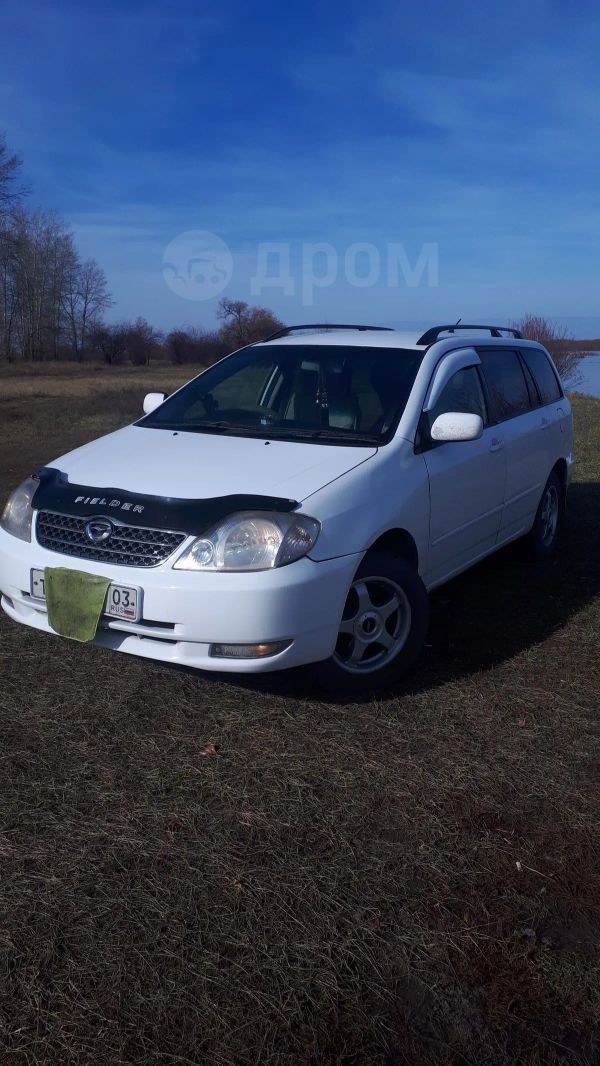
(126,546)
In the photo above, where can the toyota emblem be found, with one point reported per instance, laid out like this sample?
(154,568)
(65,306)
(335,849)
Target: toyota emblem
(98,530)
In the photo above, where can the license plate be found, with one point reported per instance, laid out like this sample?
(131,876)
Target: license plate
(121,601)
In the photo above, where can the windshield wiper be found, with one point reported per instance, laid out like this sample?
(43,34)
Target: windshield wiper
(197,427)
(181,427)
(233,427)
(334,436)
(272,432)
(208,427)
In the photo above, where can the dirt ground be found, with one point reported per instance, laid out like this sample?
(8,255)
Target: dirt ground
(195,870)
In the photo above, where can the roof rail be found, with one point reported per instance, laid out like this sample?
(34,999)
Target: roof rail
(322,325)
(432,334)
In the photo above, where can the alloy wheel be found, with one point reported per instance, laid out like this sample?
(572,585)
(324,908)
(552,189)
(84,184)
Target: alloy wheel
(375,625)
(549,515)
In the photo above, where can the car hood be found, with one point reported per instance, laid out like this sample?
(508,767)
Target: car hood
(201,466)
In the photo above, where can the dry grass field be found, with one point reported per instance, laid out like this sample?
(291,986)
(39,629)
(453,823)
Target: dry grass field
(195,870)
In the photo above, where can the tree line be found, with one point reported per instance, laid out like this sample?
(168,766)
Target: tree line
(139,343)
(50,298)
(53,302)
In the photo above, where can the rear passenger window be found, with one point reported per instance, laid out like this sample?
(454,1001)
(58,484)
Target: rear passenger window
(534,399)
(543,374)
(505,382)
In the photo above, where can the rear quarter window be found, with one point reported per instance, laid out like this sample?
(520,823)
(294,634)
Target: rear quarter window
(505,383)
(543,374)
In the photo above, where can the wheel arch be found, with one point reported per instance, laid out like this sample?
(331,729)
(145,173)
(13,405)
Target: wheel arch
(560,468)
(400,543)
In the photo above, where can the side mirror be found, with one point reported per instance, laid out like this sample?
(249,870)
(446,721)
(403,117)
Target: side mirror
(457,426)
(152,400)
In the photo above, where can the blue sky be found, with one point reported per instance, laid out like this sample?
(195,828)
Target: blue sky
(473,127)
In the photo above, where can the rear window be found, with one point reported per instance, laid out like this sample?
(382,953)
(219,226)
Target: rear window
(505,383)
(543,374)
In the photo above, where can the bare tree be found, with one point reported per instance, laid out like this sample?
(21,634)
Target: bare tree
(42,257)
(8,296)
(48,298)
(62,261)
(261,323)
(243,324)
(33,236)
(109,341)
(142,341)
(192,345)
(11,190)
(559,342)
(234,315)
(86,299)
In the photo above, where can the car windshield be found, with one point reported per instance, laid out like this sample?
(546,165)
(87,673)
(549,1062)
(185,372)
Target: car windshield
(322,393)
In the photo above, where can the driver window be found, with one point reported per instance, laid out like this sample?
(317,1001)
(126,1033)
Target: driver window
(251,387)
(462,393)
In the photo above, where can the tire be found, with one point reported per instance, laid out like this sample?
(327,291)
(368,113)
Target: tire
(383,627)
(546,529)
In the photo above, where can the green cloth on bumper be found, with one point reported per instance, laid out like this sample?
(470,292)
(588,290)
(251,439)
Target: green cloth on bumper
(74,601)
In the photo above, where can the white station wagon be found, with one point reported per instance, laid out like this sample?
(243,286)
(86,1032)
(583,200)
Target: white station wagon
(295,502)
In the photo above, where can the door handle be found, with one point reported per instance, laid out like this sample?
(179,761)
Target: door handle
(496,444)
(545,423)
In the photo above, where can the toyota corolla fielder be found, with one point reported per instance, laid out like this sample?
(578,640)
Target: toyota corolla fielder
(295,502)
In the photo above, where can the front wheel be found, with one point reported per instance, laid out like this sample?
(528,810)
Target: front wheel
(383,626)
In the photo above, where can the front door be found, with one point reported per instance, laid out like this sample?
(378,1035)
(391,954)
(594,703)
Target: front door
(466,484)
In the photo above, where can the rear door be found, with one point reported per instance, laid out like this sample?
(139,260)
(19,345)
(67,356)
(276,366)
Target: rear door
(554,408)
(466,481)
(517,424)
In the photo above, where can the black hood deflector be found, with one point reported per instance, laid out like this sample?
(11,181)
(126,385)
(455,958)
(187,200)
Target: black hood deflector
(56,493)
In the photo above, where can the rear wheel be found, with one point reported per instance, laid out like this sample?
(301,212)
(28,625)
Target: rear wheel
(383,625)
(546,528)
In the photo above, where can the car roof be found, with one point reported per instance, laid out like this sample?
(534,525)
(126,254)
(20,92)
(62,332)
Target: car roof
(368,338)
(383,337)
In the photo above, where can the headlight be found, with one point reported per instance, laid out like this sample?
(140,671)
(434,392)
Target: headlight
(252,541)
(17,515)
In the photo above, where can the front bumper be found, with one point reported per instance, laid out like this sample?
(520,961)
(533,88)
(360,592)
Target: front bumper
(184,613)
